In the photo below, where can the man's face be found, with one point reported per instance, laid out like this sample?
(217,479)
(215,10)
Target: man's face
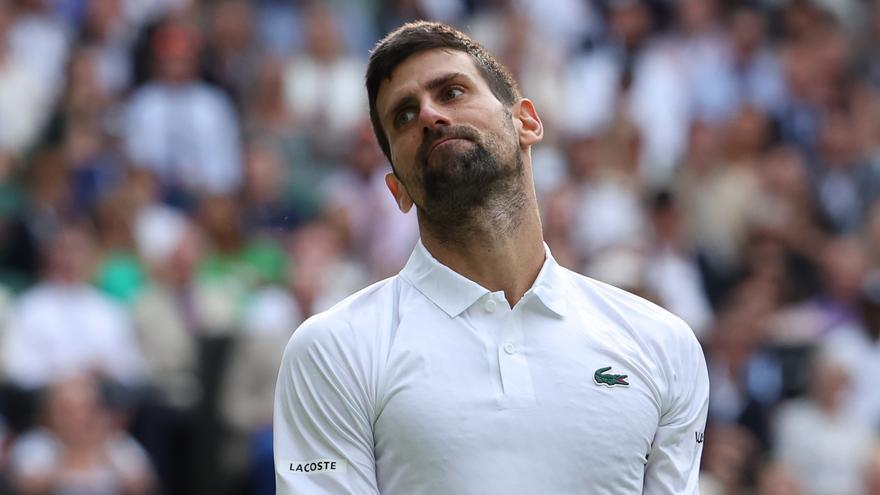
(453,143)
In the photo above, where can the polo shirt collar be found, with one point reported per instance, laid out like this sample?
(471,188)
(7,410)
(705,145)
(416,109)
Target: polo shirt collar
(454,293)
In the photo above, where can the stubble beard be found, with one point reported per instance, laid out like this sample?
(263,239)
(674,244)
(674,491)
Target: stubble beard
(474,193)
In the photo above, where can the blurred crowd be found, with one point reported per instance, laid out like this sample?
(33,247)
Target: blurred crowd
(183,182)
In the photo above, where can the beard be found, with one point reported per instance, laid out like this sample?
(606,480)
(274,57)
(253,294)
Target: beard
(479,175)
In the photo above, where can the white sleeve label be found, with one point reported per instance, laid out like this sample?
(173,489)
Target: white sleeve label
(315,466)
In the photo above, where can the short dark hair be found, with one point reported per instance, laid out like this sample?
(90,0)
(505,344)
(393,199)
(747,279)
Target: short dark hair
(419,36)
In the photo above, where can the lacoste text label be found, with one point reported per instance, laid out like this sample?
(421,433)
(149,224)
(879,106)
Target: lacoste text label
(316,466)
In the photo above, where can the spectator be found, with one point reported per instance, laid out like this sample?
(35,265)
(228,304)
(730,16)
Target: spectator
(745,374)
(719,196)
(78,449)
(755,70)
(323,86)
(233,59)
(265,110)
(358,202)
(842,267)
(267,203)
(62,326)
(699,46)
(815,58)
(166,320)
(672,272)
(597,78)
(787,211)
(40,40)
(182,129)
(25,95)
(565,24)
(856,346)
(47,200)
(169,317)
(322,273)
(834,456)
(120,273)
(81,130)
(600,205)
(108,34)
(535,60)
(234,263)
(248,390)
(846,183)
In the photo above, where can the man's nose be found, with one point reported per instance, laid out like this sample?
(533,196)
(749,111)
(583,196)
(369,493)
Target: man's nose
(432,117)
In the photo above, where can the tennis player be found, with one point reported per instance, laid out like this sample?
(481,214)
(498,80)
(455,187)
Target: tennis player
(483,367)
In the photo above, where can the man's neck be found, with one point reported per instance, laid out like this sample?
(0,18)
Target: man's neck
(500,250)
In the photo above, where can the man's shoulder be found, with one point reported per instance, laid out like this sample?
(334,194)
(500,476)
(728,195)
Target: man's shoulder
(356,317)
(648,333)
(627,310)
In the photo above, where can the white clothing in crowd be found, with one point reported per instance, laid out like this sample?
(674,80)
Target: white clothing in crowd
(828,453)
(187,134)
(58,330)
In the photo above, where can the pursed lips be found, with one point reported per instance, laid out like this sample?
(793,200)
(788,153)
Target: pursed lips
(441,141)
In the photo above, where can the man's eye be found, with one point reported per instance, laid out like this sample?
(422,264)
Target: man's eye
(452,93)
(404,117)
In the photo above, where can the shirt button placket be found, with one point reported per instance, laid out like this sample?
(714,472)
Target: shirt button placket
(514,366)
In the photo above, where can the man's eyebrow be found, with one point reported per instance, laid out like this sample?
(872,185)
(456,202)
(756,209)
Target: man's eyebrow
(443,80)
(431,85)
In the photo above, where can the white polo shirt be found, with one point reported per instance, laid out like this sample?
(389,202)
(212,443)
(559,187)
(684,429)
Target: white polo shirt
(428,383)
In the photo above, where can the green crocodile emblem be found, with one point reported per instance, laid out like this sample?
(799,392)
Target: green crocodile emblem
(611,379)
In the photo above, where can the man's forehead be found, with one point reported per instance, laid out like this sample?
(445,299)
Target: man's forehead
(417,69)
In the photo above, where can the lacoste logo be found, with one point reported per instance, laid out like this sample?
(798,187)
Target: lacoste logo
(609,380)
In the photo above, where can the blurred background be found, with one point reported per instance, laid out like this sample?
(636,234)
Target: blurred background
(182,182)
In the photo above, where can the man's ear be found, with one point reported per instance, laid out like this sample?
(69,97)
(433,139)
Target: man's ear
(531,130)
(401,197)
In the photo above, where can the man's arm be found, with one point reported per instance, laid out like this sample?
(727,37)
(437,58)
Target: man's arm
(674,462)
(323,438)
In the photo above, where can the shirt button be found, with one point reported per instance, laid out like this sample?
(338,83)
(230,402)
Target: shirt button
(509,348)
(490,306)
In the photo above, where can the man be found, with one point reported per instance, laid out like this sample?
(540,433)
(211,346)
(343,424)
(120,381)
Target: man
(483,367)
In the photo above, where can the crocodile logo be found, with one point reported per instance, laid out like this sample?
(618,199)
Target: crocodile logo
(609,380)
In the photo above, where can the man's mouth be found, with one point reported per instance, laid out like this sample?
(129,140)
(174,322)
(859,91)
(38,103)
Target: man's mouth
(441,141)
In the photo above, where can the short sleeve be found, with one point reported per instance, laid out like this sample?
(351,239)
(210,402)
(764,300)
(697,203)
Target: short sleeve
(323,435)
(674,462)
